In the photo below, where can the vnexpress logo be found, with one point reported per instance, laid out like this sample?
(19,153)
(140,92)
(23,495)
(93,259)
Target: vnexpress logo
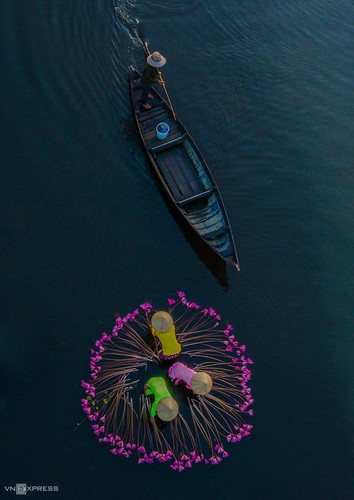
(23,489)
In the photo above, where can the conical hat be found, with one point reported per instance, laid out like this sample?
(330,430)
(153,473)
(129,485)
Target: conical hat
(156,59)
(167,409)
(201,383)
(162,321)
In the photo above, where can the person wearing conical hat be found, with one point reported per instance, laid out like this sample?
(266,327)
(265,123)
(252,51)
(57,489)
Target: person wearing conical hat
(199,382)
(164,406)
(149,76)
(163,329)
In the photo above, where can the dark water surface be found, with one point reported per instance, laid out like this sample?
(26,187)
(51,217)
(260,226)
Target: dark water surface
(264,87)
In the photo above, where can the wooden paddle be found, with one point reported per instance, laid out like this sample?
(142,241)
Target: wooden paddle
(162,83)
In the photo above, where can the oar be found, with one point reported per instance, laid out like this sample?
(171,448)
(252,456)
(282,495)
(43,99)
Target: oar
(162,83)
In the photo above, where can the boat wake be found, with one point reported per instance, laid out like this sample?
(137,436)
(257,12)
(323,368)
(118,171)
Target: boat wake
(129,22)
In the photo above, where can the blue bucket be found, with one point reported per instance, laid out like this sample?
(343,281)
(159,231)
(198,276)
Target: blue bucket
(162,130)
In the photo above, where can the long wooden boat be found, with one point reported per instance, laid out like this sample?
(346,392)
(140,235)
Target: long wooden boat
(183,172)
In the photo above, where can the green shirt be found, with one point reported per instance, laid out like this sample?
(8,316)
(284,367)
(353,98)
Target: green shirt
(149,76)
(156,386)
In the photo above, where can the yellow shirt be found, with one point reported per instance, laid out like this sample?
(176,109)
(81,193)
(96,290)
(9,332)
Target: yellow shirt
(170,346)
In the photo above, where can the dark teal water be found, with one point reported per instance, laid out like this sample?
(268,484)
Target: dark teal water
(264,87)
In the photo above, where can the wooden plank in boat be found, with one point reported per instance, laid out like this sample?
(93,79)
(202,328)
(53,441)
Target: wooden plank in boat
(159,146)
(150,125)
(182,180)
(145,115)
(216,233)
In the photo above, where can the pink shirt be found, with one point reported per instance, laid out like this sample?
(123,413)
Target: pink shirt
(179,371)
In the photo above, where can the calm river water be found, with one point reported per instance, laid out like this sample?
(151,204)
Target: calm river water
(264,87)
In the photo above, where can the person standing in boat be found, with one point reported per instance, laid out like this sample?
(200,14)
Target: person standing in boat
(151,75)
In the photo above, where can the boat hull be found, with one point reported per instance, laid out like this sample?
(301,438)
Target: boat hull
(183,173)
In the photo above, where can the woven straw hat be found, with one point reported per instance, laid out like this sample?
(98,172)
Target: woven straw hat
(167,409)
(162,321)
(201,383)
(156,60)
